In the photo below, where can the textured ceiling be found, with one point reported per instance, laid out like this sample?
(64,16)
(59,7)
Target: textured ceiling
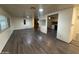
(28,9)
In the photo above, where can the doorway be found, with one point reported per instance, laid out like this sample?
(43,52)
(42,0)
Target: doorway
(52,22)
(36,24)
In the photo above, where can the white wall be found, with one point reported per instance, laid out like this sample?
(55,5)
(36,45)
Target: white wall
(64,24)
(72,34)
(18,23)
(43,27)
(76,23)
(5,35)
(77,30)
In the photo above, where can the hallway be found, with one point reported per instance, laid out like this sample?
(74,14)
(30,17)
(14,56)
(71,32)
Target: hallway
(34,42)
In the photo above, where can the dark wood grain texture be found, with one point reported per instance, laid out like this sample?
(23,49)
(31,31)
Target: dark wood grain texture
(34,42)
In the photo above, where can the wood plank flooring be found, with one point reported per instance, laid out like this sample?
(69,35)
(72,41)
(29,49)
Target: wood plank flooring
(34,42)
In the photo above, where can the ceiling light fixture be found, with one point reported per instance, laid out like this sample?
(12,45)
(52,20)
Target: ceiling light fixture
(49,17)
(40,10)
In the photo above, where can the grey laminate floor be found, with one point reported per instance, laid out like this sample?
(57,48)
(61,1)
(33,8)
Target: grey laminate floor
(34,42)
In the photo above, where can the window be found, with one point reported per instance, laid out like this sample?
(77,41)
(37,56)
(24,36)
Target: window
(4,23)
